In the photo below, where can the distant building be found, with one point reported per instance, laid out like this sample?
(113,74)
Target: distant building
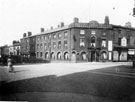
(4,50)
(91,41)
(28,44)
(15,48)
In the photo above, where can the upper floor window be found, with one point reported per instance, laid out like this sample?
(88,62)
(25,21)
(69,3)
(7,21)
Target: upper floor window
(42,37)
(45,37)
(54,36)
(41,46)
(49,36)
(103,43)
(124,41)
(59,44)
(65,44)
(38,39)
(27,40)
(82,42)
(54,44)
(37,46)
(82,31)
(59,35)
(49,45)
(45,46)
(93,32)
(93,41)
(65,34)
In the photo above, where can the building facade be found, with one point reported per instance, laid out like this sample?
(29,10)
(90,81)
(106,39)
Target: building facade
(78,41)
(28,43)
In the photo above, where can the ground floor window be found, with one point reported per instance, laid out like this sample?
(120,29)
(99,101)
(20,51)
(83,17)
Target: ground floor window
(103,55)
(123,56)
(115,56)
(83,55)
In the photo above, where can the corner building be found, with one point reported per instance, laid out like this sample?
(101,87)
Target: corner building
(90,41)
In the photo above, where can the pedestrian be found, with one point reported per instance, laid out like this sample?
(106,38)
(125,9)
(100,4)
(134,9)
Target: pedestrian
(10,64)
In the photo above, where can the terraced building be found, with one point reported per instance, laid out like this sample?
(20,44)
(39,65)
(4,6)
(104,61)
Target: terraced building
(91,41)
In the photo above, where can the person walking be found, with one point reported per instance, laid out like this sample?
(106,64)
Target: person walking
(10,64)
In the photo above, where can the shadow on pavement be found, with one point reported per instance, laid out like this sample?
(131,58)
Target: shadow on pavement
(86,85)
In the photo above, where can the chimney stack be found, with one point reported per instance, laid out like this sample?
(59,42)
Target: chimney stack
(29,33)
(24,35)
(106,20)
(62,24)
(51,28)
(42,30)
(76,20)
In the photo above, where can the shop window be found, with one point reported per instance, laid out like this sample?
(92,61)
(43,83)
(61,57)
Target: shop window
(104,55)
(83,56)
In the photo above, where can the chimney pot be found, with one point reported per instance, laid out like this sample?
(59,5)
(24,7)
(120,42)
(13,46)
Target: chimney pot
(42,30)
(62,24)
(24,34)
(29,33)
(76,20)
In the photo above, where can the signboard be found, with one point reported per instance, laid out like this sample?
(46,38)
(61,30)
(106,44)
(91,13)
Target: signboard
(110,46)
(131,51)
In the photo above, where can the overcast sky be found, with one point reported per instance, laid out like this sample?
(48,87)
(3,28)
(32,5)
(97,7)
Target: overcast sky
(20,16)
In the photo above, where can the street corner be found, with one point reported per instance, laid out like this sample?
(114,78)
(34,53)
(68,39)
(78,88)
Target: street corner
(4,73)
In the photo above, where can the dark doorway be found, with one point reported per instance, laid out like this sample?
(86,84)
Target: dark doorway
(93,56)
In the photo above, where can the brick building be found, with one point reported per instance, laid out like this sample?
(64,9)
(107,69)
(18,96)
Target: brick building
(90,41)
(28,43)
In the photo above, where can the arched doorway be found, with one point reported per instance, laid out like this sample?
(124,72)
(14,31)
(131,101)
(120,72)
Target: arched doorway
(52,55)
(59,55)
(66,56)
(83,56)
(46,55)
(73,56)
(103,55)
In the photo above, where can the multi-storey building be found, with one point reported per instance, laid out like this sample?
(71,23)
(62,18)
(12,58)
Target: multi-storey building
(28,46)
(90,41)
(15,48)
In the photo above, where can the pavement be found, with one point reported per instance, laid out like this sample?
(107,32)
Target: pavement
(70,82)
(58,69)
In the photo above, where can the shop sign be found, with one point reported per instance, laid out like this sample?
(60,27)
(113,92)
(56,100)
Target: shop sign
(110,46)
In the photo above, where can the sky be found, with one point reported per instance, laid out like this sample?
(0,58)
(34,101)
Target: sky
(20,16)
